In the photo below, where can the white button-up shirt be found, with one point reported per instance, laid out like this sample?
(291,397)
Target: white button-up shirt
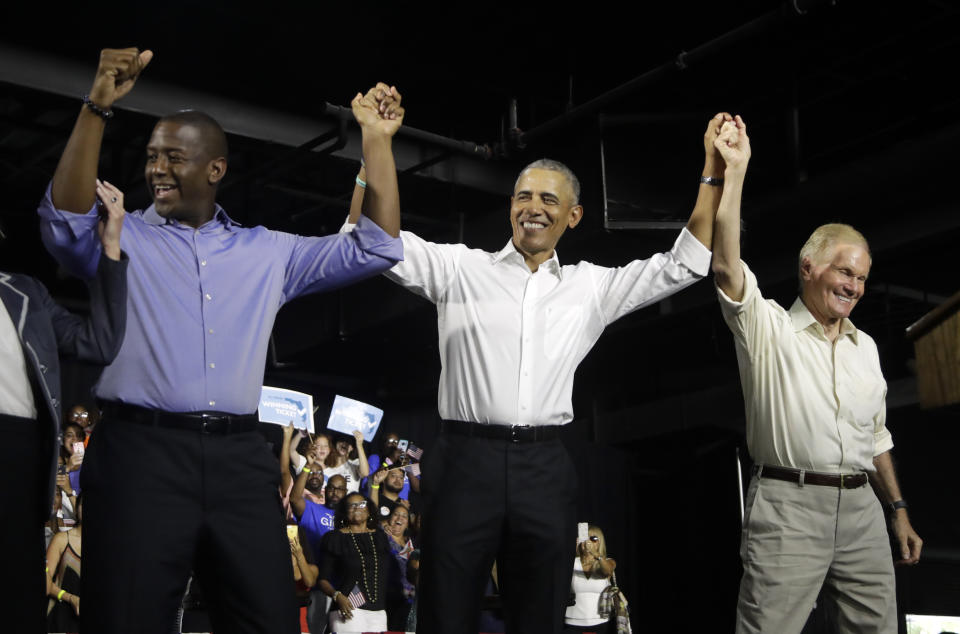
(810,403)
(511,340)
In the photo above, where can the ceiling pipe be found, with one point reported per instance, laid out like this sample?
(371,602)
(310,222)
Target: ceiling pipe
(463,147)
(681,62)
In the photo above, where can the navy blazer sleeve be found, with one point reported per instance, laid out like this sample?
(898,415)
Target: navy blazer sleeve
(97,338)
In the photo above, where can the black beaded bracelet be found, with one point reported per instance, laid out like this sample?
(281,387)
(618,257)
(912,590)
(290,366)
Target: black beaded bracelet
(95,109)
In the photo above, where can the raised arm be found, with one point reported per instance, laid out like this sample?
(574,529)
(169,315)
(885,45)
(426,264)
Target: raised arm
(359,195)
(734,145)
(885,482)
(297,503)
(380,116)
(364,465)
(708,195)
(375,481)
(74,181)
(285,479)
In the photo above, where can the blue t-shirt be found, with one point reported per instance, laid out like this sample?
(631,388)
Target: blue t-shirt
(317,521)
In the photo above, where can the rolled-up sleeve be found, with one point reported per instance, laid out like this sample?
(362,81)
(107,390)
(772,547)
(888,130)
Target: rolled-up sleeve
(70,238)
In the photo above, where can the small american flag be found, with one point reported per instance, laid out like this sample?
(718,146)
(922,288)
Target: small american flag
(414,452)
(356,597)
(413,469)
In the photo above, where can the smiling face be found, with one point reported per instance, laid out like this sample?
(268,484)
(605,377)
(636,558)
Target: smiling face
(542,208)
(320,449)
(357,511)
(399,519)
(833,286)
(72,433)
(182,173)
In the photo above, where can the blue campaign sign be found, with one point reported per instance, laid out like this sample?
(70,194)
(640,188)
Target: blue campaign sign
(282,406)
(348,415)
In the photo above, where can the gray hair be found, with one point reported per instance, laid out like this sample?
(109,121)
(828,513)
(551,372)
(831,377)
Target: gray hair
(553,166)
(824,238)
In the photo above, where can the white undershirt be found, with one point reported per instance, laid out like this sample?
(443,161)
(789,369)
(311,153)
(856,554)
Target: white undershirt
(16,397)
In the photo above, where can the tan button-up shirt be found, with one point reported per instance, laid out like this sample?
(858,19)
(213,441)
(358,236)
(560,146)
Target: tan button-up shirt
(810,403)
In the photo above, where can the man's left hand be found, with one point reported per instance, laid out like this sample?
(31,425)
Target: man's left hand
(910,542)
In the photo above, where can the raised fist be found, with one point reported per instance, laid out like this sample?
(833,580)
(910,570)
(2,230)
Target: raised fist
(117,73)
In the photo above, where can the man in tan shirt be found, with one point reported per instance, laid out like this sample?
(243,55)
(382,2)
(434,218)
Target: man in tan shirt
(815,416)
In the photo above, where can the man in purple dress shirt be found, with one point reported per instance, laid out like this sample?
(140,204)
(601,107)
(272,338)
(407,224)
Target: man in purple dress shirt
(177,478)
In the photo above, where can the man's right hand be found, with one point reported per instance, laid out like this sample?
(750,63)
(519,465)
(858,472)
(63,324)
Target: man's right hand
(117,72)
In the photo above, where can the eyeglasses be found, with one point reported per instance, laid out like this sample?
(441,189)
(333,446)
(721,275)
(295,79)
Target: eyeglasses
(80,415)
(594,538)
(357,505)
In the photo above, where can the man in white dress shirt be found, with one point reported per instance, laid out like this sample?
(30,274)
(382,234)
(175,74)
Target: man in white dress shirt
(513,326)
(815,415)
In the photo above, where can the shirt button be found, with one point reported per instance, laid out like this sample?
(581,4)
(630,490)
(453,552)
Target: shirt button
(203,262)
(210,331)
(212,403)
(213,365)
(208,296)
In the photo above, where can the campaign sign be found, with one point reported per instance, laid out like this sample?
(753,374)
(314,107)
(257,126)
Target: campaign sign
(281,406)
(348,415)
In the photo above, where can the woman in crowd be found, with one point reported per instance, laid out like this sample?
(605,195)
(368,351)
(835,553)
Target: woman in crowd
(591,575)
(398,603)
(343,460)
(72,433)
(63,576)
(356,555)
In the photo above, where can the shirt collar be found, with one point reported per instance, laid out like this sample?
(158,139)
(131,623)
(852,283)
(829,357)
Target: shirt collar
(509,251)
(220,218)
(802,319)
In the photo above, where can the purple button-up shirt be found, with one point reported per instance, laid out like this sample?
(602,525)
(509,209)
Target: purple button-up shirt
(202,302)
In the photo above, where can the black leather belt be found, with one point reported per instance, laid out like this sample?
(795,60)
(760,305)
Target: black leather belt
(200,422)
(801,477)
(512,433)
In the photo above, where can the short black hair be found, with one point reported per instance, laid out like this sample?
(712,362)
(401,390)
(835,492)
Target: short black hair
(215,139)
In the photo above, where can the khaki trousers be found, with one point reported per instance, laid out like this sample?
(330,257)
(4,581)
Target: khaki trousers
(799,538)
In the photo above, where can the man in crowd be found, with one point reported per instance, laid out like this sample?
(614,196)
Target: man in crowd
(182,395)
(33,331)
(316,520)
(514,325)
(390,454)
(816,430)
(386,486)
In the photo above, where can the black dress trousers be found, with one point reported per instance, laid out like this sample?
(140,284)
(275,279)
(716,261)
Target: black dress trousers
(161,502)
(492,499)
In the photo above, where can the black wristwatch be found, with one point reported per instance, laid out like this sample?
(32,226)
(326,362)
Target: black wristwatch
(899,504)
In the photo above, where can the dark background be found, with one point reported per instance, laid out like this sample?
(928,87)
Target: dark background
(853,117)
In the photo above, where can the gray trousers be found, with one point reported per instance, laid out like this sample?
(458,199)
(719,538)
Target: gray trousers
(797,539)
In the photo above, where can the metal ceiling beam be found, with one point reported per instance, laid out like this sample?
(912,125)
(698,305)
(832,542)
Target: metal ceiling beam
(68,78)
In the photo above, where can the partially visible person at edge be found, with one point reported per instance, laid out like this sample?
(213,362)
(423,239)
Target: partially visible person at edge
(34,332)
